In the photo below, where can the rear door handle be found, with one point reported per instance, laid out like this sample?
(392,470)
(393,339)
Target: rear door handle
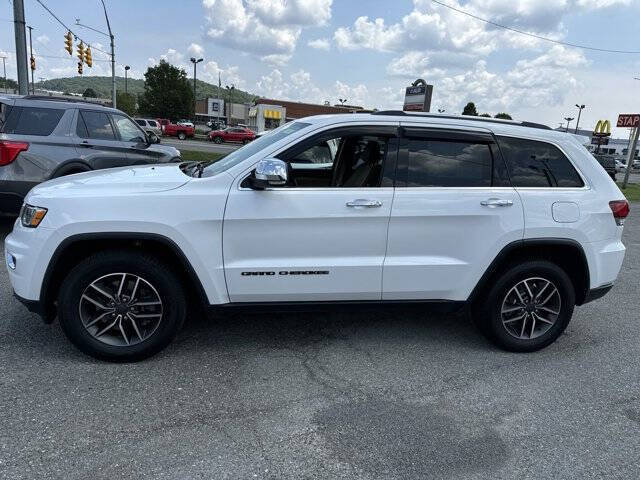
(496,202)
(86,144)
(361,202)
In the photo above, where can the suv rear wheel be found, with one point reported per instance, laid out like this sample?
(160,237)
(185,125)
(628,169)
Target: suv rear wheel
(121,306)
(528,307)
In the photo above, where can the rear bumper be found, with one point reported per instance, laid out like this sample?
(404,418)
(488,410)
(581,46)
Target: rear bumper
(12,195)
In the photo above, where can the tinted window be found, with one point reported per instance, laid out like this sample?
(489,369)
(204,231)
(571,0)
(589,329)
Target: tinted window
(152,123)
(537,164)
(440,163)
(98,125)
(142,123)
(4,113)
(32,120)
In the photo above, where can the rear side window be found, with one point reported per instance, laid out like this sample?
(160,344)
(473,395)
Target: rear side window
(142,123)
(95,125)
(440,163)
(152,123)
(538,164)
(4,113)
(32,121)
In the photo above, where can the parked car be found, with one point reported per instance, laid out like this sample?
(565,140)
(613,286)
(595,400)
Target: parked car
(150,126)
(216,125)
(44,137)
(620,167)
(608,163)
(232,134)
(175,130)
(514,221)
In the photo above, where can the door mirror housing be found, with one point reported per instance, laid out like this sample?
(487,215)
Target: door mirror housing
(152,138)
(269,172)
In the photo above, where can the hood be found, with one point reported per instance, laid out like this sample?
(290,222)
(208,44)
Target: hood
(115,181)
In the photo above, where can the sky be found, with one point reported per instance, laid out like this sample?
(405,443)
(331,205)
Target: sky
(366,51)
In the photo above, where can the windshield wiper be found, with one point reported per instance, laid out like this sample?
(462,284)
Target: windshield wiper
(198,167)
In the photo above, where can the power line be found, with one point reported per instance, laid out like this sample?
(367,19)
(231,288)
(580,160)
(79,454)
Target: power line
(67,28)
(539,37)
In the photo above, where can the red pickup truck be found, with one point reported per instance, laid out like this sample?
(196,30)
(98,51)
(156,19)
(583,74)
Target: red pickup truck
(174,130)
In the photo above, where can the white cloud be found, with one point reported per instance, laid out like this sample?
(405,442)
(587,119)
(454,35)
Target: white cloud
(196,50)
(43,39)
(264,27)
(320,44)
(276,59)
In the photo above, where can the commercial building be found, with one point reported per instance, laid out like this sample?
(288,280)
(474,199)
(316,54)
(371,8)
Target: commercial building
(295,110)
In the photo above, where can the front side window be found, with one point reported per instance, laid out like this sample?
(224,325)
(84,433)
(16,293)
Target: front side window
(32,120)
(129,131)
(538,164)
(95,125)
(443,163)
(350,160)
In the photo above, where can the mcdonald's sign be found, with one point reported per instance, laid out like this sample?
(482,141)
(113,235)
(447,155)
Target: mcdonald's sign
(603,129)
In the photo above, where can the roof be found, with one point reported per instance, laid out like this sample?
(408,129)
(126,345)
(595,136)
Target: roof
(57,101)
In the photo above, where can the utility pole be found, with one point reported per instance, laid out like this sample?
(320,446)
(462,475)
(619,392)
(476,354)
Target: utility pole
(569,120)
(21,47)
(195,62)
(580,107)
(33,85)
(4,67)
(230,90)
(126,69)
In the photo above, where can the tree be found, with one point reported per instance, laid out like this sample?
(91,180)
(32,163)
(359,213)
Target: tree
(503,116)
(485,115)
(11,84)
(167,92)
(470,109)
(90,93)
(126,102)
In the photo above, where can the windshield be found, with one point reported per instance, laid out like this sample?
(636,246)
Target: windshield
(234,158)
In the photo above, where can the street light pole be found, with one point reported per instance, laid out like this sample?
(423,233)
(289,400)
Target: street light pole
(33,85)
(230,90)
(4,67)
(195,62)
(580,107)
(569,120)
(126,69)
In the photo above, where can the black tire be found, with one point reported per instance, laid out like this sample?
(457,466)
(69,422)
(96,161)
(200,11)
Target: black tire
(217,140)
(167,287)
(182,136)
(245,141)
(488,314)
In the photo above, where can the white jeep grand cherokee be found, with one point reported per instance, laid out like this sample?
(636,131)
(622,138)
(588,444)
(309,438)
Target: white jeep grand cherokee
(515,220)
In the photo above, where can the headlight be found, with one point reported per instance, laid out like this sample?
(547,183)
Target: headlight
(31,216)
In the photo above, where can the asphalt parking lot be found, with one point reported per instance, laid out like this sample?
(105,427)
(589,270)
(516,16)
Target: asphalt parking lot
(357,396)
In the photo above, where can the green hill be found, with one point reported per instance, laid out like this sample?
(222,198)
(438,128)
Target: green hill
(102,86)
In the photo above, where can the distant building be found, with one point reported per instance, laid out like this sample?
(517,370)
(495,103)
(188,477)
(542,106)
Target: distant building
(295,110)
(615,146)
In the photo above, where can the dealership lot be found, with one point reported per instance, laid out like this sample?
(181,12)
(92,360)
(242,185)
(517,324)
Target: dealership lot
(362,396)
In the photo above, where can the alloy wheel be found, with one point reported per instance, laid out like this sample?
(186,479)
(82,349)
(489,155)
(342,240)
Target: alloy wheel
(530,308)
(120,309)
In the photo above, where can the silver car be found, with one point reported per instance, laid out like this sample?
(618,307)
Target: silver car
(44,137)
(150,126)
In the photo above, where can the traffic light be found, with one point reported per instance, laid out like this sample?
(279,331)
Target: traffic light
(87,57)
(81,52)
(68,43)
(33,63)
(80,68)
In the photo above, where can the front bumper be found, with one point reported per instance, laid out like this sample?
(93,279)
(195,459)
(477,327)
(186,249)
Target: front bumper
(34,306)
(596,293)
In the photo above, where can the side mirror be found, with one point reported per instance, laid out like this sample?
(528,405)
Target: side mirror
(270,172)
(152,138)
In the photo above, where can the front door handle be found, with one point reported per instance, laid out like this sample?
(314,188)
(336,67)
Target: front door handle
(85,144)
(361,202)
(496,202)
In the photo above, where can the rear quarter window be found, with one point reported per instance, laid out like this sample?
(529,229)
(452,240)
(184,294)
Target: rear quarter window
(533,163)
(32,121)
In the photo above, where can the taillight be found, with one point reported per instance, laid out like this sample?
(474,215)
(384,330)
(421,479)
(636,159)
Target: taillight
(620,210)
(10,150)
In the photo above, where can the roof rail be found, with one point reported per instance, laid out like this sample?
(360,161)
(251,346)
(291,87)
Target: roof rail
(62,99)
(401,113)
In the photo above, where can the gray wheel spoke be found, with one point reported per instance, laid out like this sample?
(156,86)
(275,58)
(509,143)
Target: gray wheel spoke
(546,309)
(98,289)
(519,294)
(533,325)
(108,327)
(541,291)
(135,325)
(95,302)
(543,320)
(526,285)
(516,319)
(94,314)
(524,324)
(512,309)
(544,302)
(97,319)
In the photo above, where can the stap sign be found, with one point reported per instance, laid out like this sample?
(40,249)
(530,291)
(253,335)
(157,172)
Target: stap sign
(629,120)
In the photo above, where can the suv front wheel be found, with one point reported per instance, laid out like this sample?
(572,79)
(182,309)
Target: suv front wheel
(528,307)
(121,306)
